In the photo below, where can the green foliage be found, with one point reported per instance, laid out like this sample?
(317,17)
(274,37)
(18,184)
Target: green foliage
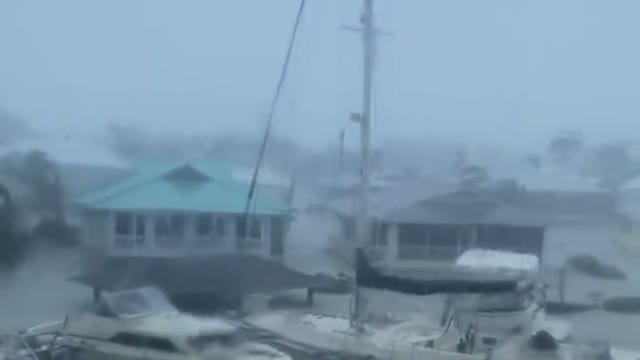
(47,198)
(613,165)
(42,175)
(564,147)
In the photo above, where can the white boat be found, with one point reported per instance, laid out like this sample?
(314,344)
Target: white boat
(139,324)
(502,313)
(408,340)
(419,340)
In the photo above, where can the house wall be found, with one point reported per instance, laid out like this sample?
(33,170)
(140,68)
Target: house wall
(418,245)
(99,231)
(95,231)
(415,244)
(559,242)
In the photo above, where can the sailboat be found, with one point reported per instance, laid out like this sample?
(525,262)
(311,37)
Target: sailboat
(353,335)
(408,340)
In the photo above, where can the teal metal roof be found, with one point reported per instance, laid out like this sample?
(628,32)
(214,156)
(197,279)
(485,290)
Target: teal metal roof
(150,189)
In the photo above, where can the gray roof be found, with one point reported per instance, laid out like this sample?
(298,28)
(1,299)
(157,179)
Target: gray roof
(386,201)
(547,178)
(468,207)
(494,214)
(441,203)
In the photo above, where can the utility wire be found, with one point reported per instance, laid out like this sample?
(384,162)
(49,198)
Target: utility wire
(274,102)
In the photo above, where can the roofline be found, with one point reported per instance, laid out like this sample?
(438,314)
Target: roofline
(123,186)
(160,210)
(87,199)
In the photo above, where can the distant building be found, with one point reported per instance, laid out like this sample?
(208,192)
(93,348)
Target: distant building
(67,150)
(430,223)
(579,210)
(182,209)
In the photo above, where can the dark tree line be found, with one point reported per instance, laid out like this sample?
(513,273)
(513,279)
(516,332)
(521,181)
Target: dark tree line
(612,163)
(41,177)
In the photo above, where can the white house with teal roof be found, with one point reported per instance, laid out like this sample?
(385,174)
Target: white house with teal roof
(182,209)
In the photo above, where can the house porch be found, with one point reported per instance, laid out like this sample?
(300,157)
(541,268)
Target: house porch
(180,233)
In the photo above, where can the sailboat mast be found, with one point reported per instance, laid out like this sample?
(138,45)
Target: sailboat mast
(363,228)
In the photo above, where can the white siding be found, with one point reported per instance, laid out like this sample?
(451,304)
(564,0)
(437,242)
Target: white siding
(98,231)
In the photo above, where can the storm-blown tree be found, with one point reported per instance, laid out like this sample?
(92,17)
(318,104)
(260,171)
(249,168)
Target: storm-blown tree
(42,176)
(469,175)
(565,147)
(613,164)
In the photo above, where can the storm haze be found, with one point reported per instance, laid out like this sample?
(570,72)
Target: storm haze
(490,72)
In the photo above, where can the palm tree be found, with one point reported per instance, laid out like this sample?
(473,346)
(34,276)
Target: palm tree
(42,175)
(12,243)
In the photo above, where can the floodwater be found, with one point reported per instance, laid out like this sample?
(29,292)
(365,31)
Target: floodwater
(307,246)
(39,292)
(615,328)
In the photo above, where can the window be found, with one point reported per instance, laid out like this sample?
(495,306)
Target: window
(436,242)
(169,229)
(130,303)
(161,226)
(412,235)
(124,224)
(177,225)
(241,230)
(254,229)
(140,230)
(443,242)
(412,242)
(129,230)
(204,225)
(220,226)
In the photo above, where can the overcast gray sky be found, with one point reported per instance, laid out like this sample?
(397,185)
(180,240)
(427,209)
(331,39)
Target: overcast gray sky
(503,71)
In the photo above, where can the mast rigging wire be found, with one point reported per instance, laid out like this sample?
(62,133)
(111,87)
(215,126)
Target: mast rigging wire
(274,102)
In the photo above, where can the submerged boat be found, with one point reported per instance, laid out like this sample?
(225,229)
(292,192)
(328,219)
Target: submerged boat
(138,324)
(332,334)
(459,336)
